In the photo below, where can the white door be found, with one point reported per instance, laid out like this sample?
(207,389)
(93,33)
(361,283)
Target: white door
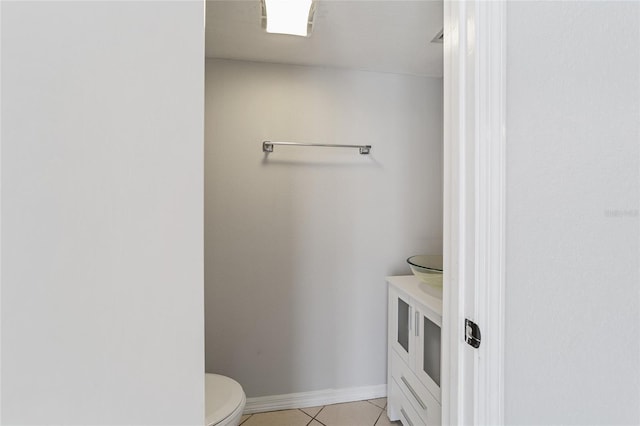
(474,117)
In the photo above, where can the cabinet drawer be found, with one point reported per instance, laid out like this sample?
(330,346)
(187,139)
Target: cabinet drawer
(403,408)
(427,407)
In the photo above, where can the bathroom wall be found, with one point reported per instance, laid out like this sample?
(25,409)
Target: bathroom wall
(297,243)
(573,232)
(102,182)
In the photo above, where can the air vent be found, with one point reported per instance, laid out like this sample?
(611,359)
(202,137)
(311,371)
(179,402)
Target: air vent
(439,38)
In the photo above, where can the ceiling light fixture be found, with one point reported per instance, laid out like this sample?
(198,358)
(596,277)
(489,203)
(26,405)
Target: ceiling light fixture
(294,17)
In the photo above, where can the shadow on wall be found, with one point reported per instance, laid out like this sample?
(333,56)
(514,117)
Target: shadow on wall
(370,161)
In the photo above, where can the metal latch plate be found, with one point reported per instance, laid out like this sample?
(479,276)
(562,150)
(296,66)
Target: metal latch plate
(472,333)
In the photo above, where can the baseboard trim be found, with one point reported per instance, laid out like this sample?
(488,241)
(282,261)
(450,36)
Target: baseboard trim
(313,399)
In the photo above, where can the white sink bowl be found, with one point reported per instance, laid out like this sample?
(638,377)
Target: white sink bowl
(427,268)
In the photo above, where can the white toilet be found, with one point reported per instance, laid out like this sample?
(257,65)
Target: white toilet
(224,400)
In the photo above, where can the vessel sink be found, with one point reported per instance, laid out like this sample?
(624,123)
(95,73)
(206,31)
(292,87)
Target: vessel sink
(427,268)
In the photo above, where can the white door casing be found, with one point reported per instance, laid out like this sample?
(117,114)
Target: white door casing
(474,220)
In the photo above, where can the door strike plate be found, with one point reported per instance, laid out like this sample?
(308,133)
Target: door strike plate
(472,333)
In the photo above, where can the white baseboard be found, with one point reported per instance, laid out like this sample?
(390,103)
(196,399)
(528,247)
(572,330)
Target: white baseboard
(313,399)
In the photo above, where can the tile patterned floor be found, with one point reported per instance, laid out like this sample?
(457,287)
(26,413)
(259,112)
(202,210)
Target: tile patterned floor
(360,413)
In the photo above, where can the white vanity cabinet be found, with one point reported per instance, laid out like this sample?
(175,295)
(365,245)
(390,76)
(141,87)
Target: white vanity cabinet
(413,375)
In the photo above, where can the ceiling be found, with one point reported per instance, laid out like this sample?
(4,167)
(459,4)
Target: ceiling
(381,35)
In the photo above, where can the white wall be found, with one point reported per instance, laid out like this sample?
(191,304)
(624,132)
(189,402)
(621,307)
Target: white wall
(573,233)
(297,244)
(102,180)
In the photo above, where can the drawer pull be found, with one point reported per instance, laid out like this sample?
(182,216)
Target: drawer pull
(417,323)
(404,414)
(415,395)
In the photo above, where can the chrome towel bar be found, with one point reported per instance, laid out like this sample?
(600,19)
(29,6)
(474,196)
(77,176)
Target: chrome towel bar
(267,146)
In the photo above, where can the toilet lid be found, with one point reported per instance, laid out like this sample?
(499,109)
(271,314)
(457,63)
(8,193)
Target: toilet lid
(222,397)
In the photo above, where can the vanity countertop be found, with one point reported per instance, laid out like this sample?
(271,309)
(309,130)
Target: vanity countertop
(427,295)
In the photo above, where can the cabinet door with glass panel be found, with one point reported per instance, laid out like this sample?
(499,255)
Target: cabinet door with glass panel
(427,356)
(401,325)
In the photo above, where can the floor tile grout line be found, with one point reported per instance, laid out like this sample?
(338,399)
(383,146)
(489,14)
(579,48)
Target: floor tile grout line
(319,411)
(305,413)
(312,417)
(379,415)
(375,405)
(308,415)
(319,422)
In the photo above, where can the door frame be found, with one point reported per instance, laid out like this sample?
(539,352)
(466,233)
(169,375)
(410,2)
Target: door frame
(474,209)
